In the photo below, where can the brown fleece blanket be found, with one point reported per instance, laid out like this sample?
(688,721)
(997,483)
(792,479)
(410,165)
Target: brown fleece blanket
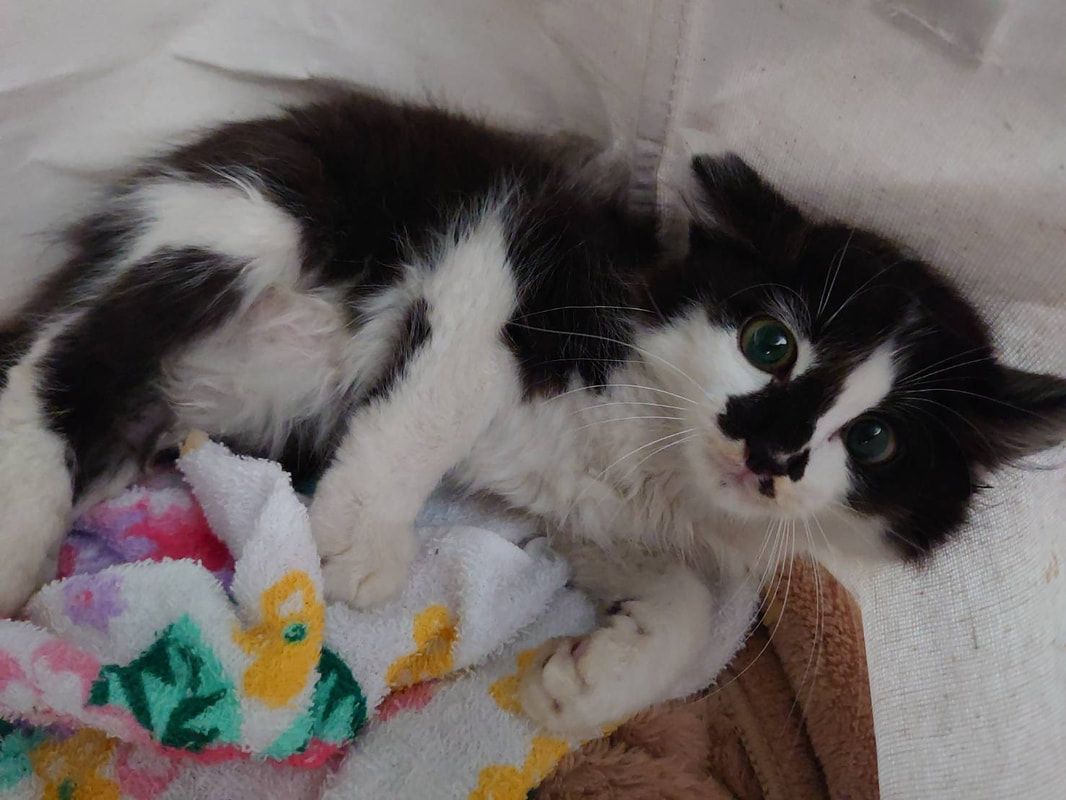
(790,718)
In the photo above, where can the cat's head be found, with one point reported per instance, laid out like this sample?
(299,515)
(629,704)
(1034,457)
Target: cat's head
(828,372)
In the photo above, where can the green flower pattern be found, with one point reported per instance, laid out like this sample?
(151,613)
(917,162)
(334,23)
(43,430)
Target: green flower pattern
(15,746)
(178,690)
(338,710)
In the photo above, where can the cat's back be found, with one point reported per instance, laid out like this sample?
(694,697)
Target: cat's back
(370,178)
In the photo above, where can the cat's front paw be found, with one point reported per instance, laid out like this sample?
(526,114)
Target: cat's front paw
(365,557)
(578,685)
(372,570)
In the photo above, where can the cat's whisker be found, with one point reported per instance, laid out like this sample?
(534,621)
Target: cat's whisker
(574,503)
(584,308)
(923,378)
(750,573)
(600,359)
(666,446)
(584,409)
(765,542)
(777,572)
(620,386)
(773,530)
(859,291)
(924,370)
(816,643)
(914,403)
(819,620)
(827,290)
(903,540)
(628,345)
(770,285)
(643,447)
(770,638)
(979,396)
(773,569)
(936,403)
(625,419)
(828,545)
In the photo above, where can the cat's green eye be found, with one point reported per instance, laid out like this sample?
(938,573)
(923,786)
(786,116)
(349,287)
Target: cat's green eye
(870,440)
(768,344)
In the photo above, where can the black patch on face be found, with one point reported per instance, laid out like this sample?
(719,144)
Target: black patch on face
(797,466)
(955,409)
(778,421)
(100,377)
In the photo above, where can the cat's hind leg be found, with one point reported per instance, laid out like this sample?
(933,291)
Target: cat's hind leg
(36,489)
(82,402)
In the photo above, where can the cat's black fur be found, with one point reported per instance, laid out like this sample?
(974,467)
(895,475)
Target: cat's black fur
(373,182)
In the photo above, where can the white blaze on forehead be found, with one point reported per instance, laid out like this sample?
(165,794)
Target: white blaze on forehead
(693,353)
(864,387)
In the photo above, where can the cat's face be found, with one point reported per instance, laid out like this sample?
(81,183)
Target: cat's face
(829,374)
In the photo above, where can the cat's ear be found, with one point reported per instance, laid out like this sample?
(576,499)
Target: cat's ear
(735,202)
(1027,414)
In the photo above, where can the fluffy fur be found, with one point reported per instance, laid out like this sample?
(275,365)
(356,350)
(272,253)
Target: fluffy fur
(392,293)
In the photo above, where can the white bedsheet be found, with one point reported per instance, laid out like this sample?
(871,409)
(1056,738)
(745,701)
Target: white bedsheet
(942,122)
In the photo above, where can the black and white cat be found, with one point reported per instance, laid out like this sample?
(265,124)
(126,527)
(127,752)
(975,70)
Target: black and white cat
(396,293)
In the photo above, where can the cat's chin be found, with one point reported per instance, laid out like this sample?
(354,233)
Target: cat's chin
(740,503)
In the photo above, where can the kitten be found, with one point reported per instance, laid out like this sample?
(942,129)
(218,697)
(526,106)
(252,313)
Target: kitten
(399,293)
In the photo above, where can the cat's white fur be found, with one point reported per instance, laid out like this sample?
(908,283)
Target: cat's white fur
(233,219)
(610,467)
(35,488)
(397,450)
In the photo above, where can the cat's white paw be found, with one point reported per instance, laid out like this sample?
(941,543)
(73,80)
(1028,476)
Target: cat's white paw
(372,570)
(365,558)
(578,685)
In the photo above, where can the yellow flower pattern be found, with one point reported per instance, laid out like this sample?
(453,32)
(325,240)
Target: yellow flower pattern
(287,643)
(435,635)
(505,690)
(70,768)
(505,781)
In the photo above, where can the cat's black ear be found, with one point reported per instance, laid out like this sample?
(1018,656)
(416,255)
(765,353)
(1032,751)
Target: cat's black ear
(1026,415)
(736,202)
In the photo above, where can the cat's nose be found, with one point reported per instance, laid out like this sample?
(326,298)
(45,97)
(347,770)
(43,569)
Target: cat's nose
(760,461)
(769,465)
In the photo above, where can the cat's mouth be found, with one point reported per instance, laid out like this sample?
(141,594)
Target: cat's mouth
(735,476)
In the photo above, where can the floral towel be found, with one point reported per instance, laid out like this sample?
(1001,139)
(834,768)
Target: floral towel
(185,651)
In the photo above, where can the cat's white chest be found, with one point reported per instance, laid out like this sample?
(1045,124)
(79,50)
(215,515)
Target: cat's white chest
(584,462)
